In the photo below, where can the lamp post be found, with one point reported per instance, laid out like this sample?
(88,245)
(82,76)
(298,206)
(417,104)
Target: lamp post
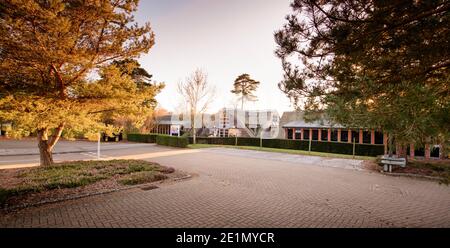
(98,146)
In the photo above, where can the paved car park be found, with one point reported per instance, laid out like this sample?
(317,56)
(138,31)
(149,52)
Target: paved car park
(239,188)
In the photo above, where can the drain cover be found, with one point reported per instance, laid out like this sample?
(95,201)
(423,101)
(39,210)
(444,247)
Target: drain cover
(149,187)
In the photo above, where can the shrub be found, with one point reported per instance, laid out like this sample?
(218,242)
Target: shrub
(317,146)
(144,138)
(174,141)
(142,177)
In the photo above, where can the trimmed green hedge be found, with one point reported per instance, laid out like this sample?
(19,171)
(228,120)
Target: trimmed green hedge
(159,139)
(317,146)
(143,138)
(325,146)
(174,141)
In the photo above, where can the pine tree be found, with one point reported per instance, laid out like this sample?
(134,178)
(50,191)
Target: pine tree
(245,86)
(48,51)
(374,64)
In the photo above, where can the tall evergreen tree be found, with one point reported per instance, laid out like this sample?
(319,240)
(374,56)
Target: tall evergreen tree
(245,87)
(374,64)
(49,48)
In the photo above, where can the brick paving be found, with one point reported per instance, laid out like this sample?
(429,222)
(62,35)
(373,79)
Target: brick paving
(252,191)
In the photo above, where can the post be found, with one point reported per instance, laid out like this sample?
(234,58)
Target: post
(302,134)
(98,146)
(329,135)
(372,137)
(309,149)
(260,138)
(354,145)
(235,140)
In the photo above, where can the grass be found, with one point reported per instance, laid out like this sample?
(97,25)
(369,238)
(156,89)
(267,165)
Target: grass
(81,173)
(142,177)
(288,151)
(434,168)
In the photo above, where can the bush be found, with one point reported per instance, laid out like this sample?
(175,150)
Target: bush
(325,146)
(174,141)
(317,146)
(144,138)
(142,177)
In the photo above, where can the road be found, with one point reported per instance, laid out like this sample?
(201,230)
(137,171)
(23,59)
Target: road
(25,152)
(239,188)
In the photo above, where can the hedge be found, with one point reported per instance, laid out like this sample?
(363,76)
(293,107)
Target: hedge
(318,146)
(144,138)
(167,140)
(244,141)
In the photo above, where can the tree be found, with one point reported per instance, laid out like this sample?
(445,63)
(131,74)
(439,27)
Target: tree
(374,64)
(198,94)
(153,120)
(245,86)
(48,50)
(143,79)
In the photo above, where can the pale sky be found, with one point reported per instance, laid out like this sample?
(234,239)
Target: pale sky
(225,38)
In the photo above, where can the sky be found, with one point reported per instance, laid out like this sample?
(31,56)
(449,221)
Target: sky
(224,38)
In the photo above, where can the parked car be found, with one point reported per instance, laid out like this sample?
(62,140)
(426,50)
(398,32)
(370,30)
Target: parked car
(114,138)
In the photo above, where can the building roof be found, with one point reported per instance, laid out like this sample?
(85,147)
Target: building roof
(315,124)
(295,119)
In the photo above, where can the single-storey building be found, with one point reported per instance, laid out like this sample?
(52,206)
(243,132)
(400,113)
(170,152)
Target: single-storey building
(296,128)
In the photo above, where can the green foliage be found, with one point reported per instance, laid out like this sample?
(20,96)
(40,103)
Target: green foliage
(317,146)
(76,174)
(50,51)
(160,139)
(142,177)
(373,64)
(143,138)
(174,141)
(245,87)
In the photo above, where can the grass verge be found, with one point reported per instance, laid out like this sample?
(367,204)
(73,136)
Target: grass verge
(438,168)
(288,151)
(77,174)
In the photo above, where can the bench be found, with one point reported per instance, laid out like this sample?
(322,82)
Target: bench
(388,162)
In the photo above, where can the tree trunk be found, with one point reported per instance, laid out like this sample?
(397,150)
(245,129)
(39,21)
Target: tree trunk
(193,126)
(45,150)
(391,144)
(46,147)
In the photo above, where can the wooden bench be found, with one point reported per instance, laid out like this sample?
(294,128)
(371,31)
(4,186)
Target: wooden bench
(388,162)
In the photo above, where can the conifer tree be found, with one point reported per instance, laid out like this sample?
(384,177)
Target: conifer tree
(50,49)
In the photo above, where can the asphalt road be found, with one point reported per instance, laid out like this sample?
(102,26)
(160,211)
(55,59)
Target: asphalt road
(25,152)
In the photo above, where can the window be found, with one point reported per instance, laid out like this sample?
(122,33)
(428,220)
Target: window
(355,136)
(315,134)
(344,135)
(324,134)
(378,138)
(334,135)
(298,134)
(289,133)
(367,137)
(306,134)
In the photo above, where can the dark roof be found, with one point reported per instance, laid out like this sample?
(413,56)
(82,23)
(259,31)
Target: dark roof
(295,119)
